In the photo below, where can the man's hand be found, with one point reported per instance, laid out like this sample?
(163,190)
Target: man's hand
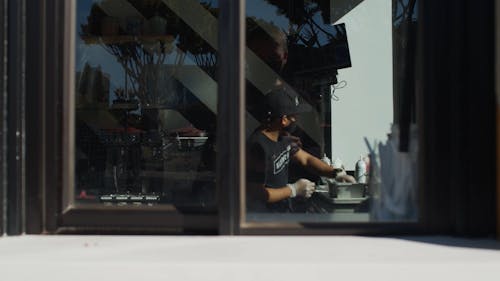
(342,176)
(302,188)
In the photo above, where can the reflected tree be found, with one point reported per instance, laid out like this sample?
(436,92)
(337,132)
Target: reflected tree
(144,38)
(309,21)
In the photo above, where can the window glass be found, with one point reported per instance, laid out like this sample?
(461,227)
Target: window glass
(145,102)
(324,85)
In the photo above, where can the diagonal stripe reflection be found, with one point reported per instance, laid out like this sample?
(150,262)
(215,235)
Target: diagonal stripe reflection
(194,15)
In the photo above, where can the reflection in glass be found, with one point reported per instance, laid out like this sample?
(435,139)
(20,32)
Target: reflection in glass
(146,97)
(336,57)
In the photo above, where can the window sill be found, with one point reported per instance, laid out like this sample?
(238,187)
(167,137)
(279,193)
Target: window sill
(57,257)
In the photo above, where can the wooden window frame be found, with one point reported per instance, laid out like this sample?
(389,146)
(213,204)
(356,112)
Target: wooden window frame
(497,85)
(47,134)
(446,180)
(60,213)
(13,181)
(232,219)
(3,121)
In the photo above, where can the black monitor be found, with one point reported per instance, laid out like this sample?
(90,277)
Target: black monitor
(326,54)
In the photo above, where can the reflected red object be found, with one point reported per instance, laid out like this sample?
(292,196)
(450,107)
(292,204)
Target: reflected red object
(83,195)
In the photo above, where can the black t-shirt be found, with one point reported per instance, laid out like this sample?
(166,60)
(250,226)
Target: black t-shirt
(268,163)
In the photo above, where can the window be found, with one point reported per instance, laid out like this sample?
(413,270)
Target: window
(338,71)
(140,114)
(142,105)
(146,103)
(97,136)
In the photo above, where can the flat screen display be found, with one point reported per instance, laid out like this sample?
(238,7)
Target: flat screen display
(327,51)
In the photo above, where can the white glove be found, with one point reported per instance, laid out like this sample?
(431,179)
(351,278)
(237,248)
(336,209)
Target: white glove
(302,187)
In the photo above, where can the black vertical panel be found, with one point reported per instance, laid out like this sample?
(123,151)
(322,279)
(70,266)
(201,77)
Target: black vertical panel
(230,110)
(53,111)
(15,118)
(3,112)
(35,125)
(408,89)
(436,144)
(479,97)
(435,211)
(404,34)
(458,123)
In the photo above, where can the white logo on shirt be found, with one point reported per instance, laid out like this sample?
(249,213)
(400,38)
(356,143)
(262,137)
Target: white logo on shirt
(282,160)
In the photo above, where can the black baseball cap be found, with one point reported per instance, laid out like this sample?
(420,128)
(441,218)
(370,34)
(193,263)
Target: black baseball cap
(285,101)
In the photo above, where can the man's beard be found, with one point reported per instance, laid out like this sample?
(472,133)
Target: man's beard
(291,128)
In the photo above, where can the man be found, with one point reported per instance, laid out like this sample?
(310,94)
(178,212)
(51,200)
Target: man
(269,151)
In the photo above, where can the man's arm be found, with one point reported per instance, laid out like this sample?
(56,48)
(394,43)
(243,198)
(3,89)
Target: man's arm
(270,195)
(278,194)
(302,188)
(314,164)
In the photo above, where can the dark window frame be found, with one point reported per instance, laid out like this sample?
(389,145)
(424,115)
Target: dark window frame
(497,88)
(439,214)
(235,222)
(454,197)
(15,120)
(61,214)
(3,127)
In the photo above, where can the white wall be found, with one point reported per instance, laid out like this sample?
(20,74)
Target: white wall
(364,108)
